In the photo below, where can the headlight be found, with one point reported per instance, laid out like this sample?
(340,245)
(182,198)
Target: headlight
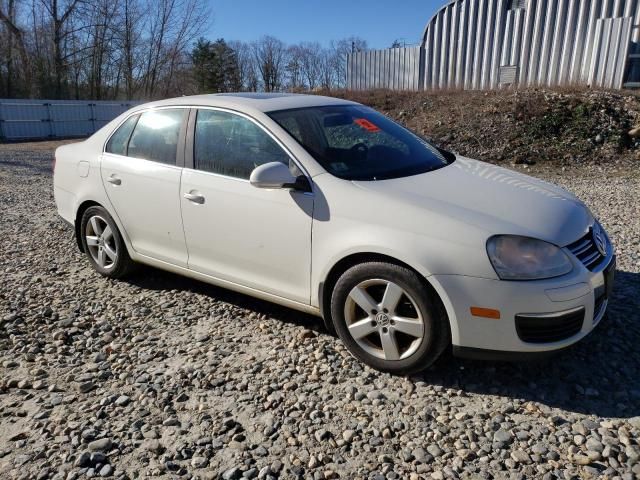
(522,258)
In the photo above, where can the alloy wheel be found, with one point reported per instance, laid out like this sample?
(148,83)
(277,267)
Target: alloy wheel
(101,242)
(384,320)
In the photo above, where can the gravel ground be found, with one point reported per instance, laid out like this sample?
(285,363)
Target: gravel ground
(164,376)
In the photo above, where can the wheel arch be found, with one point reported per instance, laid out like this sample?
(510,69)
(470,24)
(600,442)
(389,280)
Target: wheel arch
(326,286)
(82,207)
(77,224)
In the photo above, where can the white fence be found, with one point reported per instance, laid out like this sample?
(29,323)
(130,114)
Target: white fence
(42,119)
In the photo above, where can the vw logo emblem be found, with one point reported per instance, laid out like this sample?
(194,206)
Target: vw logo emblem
(383,319)
(599,240)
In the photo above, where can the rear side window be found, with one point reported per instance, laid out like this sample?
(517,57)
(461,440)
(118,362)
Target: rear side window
(156,136)
(232,145)
(117,144)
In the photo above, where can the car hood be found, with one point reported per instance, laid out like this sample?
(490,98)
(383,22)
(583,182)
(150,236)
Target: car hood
(491,198)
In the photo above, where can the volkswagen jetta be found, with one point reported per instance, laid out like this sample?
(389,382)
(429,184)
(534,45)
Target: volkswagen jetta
(329,207)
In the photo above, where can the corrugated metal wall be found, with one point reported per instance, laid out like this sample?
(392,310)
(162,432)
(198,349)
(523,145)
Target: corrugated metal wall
(39,119)
(479,44)
(394,68)
(610,51)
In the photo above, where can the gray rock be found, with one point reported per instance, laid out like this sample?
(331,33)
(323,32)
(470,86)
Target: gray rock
(276,466)
(86,387)
(375,395)
(634,422)
(106,471)
(232,473)
(434,450)
(100,445)
(594,444)
(520,456)
(633,454)
(503,436)
(199,462)
(580,459)
(348,435)
(260,451)
(152,445)
(83,460)
(251,473)
(539,449)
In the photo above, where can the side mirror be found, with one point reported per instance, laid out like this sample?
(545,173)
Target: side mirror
(275,175)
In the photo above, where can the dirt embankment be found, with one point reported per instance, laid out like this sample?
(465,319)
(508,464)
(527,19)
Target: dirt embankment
(568,126)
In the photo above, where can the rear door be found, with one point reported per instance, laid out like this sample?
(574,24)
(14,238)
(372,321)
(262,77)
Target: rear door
(236,232)
(141,169)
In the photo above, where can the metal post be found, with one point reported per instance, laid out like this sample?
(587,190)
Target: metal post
(50,120)
(92,108)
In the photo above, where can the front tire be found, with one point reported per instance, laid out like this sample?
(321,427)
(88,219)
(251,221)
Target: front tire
(388,318)
(103,244)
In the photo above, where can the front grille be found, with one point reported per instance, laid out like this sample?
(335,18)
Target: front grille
(549,328)
(586,251)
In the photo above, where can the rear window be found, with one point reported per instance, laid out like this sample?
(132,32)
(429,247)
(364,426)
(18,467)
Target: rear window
(117,144)
(357,143)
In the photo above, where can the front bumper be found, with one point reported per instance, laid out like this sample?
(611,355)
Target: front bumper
(525,304)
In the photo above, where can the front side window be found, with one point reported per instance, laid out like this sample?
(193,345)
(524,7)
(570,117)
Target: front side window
(357,143)
(117,144)
(156,136)
(232,145)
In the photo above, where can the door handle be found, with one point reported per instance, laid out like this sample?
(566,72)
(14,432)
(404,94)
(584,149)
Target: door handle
(113,179)
(199,199)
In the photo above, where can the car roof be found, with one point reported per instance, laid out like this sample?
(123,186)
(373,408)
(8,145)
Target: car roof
(264,102)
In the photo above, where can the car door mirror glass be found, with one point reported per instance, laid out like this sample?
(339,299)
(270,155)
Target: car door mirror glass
(273,175)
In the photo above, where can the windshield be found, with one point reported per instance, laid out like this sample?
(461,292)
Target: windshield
(357,143)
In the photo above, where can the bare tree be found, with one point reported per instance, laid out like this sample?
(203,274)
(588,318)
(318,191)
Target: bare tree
(174,26)
(142,49)
(329,69)
(128,39)
(13,42)
(341,49)
(59,14)
(247,68)
(271,60)
(100,45)
(294,67)
(312,63)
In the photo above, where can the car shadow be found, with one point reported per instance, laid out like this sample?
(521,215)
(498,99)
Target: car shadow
(598,376)
(150,278)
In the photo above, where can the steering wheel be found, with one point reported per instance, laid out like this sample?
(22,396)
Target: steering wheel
(361,150)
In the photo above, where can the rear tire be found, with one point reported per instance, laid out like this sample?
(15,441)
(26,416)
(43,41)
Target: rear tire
(388,318)
(103,244)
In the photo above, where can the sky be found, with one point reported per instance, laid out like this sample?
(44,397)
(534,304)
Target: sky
(380,22)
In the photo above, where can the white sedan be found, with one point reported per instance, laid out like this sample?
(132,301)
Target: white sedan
(329,207)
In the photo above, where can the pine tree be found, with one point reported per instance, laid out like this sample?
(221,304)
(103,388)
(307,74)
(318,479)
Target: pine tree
(215,67)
